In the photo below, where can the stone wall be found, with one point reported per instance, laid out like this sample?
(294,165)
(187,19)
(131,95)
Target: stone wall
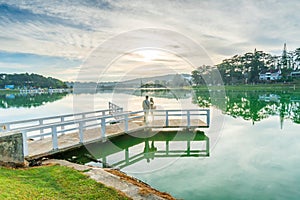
(11,149)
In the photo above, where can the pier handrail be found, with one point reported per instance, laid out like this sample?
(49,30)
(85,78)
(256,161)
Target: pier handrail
(114,108)
(7,126)
(185,112)
(80,125)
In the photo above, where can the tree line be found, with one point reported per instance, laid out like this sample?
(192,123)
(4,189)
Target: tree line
(30,81)
(246,68)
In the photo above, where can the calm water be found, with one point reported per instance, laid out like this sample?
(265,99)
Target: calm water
(253,152)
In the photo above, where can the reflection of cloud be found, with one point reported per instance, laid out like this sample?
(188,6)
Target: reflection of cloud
(73,29)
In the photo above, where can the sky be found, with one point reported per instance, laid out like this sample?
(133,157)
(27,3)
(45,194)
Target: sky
(66,38)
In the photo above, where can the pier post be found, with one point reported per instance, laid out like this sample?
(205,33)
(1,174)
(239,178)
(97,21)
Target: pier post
(208,117)
(41,130)
(83,117)
(80,132)
(103,128)
(25,144)
(54,137)
(167,118)
(62,119)
(126,123)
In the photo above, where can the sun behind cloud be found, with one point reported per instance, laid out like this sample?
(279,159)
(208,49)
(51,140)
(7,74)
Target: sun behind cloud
(149,55)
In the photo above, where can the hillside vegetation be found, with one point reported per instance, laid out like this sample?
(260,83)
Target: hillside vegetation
(30,81)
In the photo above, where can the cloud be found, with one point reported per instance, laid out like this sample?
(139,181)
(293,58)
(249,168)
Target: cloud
(73,29)
(13,62)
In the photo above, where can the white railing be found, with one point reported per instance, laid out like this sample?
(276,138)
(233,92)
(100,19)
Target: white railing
(79,126)
(114,108)
(19,125)
(187,114)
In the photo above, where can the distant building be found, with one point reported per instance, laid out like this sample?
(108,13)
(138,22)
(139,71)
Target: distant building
(9,87)
(270,75)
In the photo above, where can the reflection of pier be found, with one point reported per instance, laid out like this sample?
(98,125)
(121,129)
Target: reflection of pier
(58,133)
(151,152)
(127,150)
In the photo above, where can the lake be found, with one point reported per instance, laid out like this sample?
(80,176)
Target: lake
(254,142)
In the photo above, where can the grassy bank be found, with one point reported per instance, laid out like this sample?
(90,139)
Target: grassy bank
(268,87)
(2,91)
(51,182)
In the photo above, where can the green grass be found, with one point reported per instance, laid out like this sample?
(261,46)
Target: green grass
(52,182)
(14,91)
(263,87)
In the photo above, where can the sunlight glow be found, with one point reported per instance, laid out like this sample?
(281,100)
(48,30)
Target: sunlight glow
(149,55)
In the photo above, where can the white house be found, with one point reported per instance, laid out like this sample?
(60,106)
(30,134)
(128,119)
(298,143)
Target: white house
(270,75)
(295,74)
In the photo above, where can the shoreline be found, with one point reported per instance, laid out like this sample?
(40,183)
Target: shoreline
(130,186)
(289,86)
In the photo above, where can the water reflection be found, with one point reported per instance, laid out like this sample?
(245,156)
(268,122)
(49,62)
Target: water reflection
(256,106)
(126,150)
(253,106)
(28,100)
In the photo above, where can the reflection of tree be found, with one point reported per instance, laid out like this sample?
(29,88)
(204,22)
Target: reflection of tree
(168,93)
(255,106)
(29,100)
(202,98)
(295,112)
(245,105)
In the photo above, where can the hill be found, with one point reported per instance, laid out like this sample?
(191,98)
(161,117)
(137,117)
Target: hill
(165,80)
(30,81)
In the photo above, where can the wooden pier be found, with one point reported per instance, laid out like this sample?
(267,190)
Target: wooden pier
(44,136)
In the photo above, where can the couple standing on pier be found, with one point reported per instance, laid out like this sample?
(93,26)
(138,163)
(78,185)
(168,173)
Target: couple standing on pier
(148,105)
